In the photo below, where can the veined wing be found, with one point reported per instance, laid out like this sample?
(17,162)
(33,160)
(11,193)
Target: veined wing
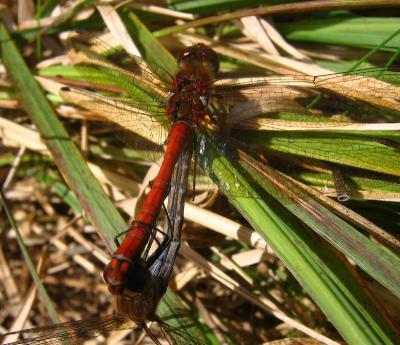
(72,332)
(119,89)
(146,119)
(93,51)
(77,332)
(177,336)
(304,142)
(375,89)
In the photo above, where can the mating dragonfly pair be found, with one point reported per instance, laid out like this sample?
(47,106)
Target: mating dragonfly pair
(186,113)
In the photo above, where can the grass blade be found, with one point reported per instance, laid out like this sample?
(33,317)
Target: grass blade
(64,152)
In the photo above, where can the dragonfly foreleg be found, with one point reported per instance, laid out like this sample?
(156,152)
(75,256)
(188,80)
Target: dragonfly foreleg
(119,235)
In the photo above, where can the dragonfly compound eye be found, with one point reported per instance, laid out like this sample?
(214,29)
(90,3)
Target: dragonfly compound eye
(199,58)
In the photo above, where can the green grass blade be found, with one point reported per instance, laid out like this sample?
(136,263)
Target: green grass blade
(345,31)
(297,7)
(349,150)
(379,263)
(67,157)
(315,264)
(152,51)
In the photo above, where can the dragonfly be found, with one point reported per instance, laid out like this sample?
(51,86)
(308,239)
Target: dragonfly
(195,105)
(185,109)
(182,110)
(146,285)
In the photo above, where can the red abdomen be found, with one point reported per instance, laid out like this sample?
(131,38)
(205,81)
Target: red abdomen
(130,250)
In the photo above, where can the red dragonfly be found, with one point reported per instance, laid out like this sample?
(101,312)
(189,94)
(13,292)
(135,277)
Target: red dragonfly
(194,102)
(186,109)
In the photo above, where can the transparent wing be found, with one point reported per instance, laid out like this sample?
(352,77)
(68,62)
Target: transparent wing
(176,336)
(90,49)
(356,93)
(121,91)
(145,119)
(296,132)
(77,332)
(134,101)
(72,332)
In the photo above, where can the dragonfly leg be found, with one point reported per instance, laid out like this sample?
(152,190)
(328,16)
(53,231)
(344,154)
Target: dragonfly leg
(150,334)
(149,243)
(168,220)
(116,241)
(153,237)
(165,243)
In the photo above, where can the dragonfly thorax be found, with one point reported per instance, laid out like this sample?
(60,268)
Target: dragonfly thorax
(198,66)
(188,101)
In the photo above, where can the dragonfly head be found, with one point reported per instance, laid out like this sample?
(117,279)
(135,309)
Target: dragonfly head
(199,59)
